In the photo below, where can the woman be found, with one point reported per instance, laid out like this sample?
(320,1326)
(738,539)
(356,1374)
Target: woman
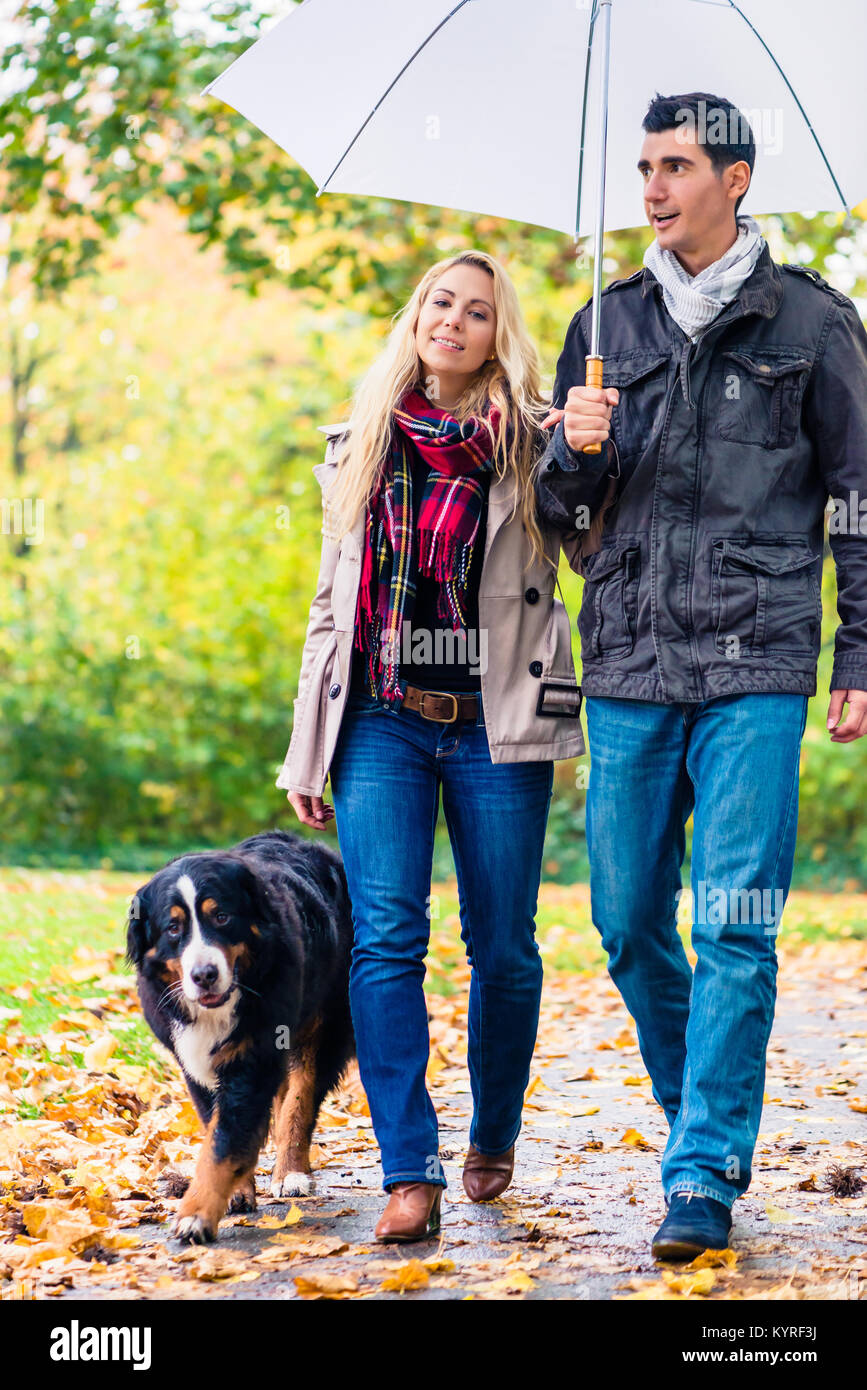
(437,657)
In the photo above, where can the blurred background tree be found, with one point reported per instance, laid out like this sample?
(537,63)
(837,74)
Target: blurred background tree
(180,314)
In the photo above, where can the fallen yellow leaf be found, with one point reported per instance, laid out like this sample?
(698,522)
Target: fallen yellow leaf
(779,1215)
(276,1223)
(96,1055)
(636,1140)
(698,1284)
(711,1259)
(411,1275)
(325,1285)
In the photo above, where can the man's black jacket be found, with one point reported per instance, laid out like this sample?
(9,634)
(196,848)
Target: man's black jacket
(708,579)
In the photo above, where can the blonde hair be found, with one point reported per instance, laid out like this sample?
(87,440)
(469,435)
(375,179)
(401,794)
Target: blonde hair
(511,382)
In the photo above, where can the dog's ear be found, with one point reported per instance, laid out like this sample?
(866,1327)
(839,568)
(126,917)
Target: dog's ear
(262,906)
(272,941)
(138,932)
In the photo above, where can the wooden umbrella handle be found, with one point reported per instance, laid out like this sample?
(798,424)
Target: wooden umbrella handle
(592,377)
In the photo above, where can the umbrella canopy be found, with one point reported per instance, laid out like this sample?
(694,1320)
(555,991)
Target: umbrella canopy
(496,106)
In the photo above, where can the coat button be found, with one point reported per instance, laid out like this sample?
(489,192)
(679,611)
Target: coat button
(532,595)
(334,692)
(535,668)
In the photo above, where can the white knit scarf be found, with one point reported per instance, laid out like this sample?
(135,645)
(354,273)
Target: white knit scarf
(695,300)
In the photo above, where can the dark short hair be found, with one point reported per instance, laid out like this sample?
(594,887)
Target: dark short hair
(669,113)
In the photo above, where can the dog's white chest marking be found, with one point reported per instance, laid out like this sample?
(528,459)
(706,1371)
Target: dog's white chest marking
(195,1042)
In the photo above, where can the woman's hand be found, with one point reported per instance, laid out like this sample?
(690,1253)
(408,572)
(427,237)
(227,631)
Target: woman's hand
(310,810)
(552,418)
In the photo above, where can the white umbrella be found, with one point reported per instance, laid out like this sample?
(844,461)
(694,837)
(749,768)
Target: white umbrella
(510,108)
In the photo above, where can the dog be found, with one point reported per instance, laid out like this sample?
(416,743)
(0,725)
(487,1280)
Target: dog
(242,967)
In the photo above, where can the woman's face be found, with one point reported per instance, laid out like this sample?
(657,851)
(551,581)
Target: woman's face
(456,332)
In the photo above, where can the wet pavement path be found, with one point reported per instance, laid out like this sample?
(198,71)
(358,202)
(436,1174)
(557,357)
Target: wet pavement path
(578,1219)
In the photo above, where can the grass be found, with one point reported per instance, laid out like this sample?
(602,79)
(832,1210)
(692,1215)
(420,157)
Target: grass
(65,986)
(65,933)
(62,933)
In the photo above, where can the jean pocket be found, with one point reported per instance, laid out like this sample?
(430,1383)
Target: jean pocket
(360,703)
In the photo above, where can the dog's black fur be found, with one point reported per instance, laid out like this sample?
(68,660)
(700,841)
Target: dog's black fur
(250,991)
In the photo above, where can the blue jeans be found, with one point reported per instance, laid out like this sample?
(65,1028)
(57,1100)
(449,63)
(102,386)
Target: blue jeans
(386,775)
(733,761)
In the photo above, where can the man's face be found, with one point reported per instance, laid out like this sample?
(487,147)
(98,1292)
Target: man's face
(686,204)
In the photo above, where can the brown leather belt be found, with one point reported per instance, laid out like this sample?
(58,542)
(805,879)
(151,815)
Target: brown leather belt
(441,706)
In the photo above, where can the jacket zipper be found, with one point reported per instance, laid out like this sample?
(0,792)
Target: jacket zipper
(684,373)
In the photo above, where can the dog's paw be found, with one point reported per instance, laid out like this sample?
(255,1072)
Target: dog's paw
(193,1230)
(292,1185)
(243,1200)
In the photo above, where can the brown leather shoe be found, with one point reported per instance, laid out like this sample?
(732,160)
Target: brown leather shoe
(413,1212)
(487,1175)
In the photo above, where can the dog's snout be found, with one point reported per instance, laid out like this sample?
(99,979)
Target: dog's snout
(205,975)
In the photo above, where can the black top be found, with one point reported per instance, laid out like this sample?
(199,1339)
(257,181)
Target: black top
(431,654)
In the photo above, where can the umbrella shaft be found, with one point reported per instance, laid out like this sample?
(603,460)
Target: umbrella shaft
(605,13)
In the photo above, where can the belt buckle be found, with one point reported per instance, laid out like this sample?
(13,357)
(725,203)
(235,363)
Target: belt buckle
(446,695)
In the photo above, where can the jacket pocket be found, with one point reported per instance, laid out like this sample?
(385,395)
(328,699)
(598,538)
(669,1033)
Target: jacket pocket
(344,588)
(765,598)
(759,395)
(310,695)
(640,376)
(610,602)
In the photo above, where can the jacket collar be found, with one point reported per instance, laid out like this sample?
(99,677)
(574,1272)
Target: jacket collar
(761,293)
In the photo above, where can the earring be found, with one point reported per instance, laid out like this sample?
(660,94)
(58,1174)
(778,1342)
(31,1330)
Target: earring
(492,357)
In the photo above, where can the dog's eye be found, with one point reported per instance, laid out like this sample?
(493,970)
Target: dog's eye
(173,930)
(221,918)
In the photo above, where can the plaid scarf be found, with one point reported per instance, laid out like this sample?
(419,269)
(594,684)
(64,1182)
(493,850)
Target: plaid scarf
(695,300)
(432,535)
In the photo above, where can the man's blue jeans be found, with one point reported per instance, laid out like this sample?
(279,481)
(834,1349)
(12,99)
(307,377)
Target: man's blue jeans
(733,761)
(386,774)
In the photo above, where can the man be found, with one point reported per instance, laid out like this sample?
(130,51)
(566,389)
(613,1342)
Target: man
(734,401)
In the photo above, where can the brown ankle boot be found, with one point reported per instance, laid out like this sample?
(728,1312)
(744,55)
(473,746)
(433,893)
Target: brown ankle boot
(413,1212)
(487,1175)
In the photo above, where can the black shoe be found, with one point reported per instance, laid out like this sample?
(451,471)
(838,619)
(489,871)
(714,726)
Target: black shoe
(692,1224)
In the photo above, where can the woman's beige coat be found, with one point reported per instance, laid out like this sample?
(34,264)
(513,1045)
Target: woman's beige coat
(528,643)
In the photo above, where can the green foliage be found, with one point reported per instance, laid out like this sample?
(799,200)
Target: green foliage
(150,642)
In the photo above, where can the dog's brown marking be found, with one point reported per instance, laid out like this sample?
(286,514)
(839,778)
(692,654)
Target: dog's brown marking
(172,970)
(214,1182)
(209,905)
(293,1111)
(238,955)
(177,914)
(169,969)
(229,1052)
(254,929)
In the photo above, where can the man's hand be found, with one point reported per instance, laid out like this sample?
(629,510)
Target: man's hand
(855,724)
(310,810)
(587,417)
